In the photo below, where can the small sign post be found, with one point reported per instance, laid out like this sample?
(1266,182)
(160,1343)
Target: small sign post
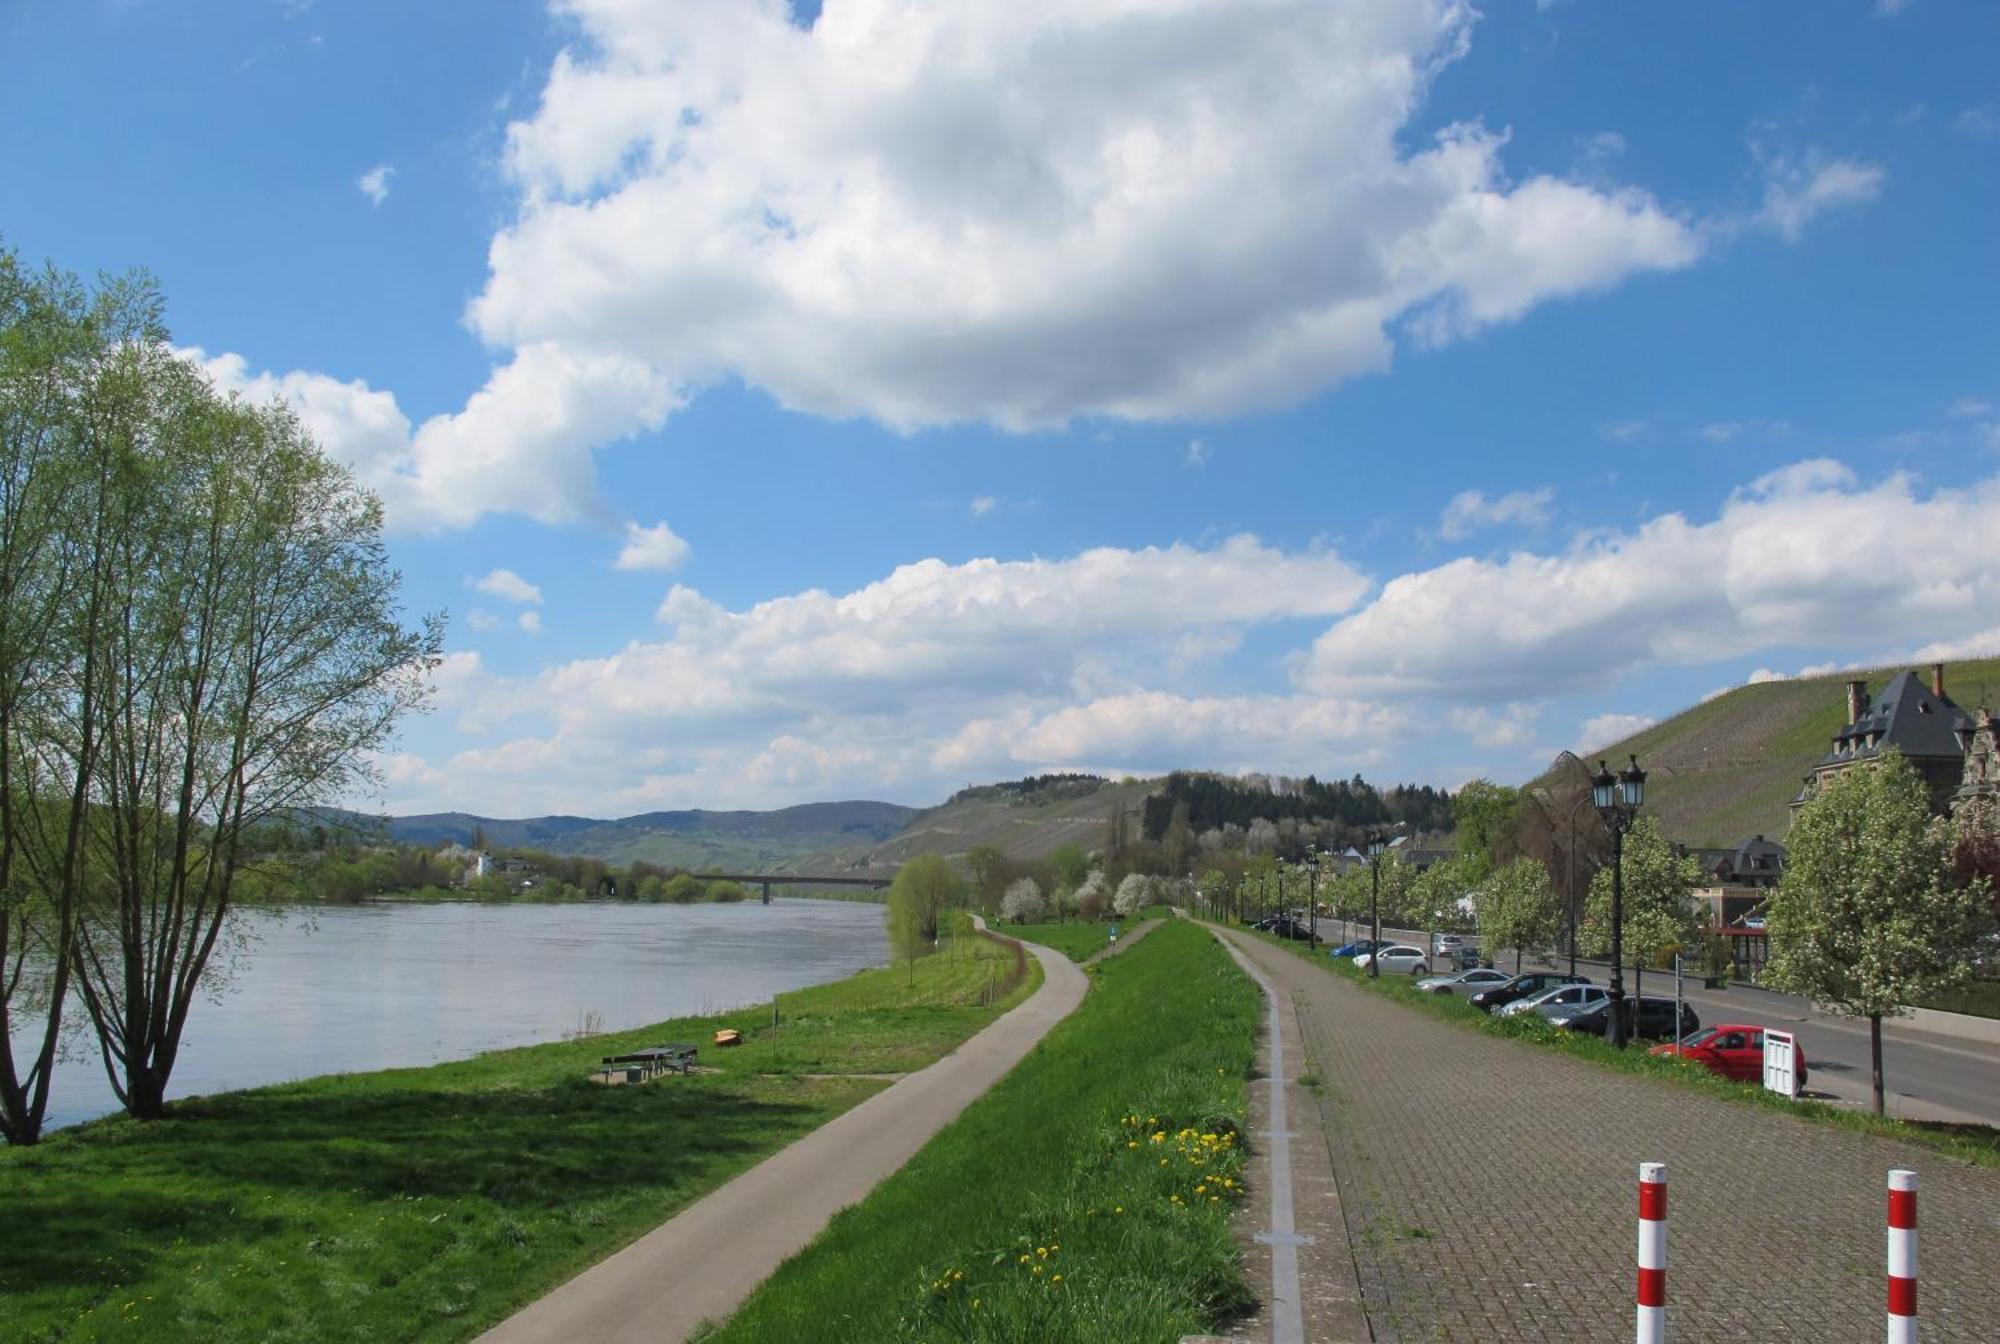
(1781,1073)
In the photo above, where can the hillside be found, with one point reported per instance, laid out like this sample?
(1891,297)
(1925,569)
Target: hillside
(787,840)
(1021,826)
(1725,769)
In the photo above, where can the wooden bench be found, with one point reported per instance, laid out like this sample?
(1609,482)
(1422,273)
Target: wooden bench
(673,1057)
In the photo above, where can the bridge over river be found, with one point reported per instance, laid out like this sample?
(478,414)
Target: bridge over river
(765,881)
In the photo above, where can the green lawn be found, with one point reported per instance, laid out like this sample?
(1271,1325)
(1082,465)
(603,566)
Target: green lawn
(1075,940)
(426,1204)
(1087,1198)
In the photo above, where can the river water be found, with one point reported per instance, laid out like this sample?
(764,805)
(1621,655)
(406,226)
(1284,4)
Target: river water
(345,989)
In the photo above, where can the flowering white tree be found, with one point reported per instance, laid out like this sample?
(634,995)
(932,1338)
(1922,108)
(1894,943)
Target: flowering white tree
(1134,893)
(1022,902)
(1089,899)
(1867,915)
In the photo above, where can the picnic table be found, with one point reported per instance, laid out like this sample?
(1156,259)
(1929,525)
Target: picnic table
(673,1057)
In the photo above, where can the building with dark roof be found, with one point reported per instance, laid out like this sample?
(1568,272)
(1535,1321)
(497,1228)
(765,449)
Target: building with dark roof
(1920,721)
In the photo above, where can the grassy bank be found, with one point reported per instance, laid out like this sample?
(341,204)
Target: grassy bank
(1078,939)
(1086,1198)
(426,1204)
(1974,1143)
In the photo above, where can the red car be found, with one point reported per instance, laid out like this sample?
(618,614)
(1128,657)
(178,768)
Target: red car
(1734,1050)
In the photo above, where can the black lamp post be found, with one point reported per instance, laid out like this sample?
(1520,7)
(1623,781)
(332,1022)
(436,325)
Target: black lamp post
(1312,897)
(1617,800)
(1378,843)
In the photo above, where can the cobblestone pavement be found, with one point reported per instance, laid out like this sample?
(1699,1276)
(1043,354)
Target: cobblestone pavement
(1490,1193)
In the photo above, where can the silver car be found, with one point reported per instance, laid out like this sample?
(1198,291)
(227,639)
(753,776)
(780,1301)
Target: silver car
(1465,982)
(1559,1003)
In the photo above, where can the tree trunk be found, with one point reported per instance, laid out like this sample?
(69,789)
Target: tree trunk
(1875,1056)
(146,1093)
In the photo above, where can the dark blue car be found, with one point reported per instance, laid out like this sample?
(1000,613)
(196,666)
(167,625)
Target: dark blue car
(1357,947)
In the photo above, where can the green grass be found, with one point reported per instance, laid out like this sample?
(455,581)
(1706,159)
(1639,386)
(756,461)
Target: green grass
(1056,1172)
(1074,940)
(1974,1143)
(426,1204)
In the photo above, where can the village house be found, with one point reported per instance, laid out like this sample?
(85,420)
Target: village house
(1933,734)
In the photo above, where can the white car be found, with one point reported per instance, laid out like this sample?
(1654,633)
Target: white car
(1397,959)
(1565,999)
(1465,982)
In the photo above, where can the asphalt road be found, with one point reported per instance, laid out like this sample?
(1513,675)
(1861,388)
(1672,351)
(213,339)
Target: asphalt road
(1926,1076)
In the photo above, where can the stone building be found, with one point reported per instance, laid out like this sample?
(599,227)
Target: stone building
(1919,721)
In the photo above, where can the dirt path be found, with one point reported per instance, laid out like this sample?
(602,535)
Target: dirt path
(706,1259)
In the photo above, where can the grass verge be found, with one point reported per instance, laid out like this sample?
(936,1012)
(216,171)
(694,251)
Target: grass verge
(1973,1143)
(426,1204)
(1086,1198)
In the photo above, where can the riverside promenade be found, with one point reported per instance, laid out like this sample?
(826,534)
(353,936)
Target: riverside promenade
(1487,1190)
(705,1260)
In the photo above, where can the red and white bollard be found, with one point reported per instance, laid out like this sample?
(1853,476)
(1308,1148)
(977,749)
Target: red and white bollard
(1652,1253)
(1902,1257)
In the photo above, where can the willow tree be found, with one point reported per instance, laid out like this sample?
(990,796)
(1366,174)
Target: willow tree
(923,887)
(1869,915)
(253,663)
(59,368)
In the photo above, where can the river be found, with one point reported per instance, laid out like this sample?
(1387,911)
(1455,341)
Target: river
(346,989)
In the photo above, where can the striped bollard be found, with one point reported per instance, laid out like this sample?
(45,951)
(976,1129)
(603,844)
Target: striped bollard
(1652,1253)
(1902,1257)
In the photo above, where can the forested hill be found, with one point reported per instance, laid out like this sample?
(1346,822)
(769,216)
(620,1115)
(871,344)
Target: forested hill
(1217,801)
(776,841)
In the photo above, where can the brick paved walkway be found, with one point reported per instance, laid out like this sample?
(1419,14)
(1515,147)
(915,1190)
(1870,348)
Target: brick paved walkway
(1489,1189)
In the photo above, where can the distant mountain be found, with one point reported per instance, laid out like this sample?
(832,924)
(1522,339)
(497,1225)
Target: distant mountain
(775,842)
(1726,769)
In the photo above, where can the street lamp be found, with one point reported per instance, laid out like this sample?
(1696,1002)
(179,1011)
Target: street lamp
(1312,897)
(1617,800)
(1378,843)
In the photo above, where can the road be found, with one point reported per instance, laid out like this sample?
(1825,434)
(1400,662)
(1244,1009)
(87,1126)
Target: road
(1926,1076)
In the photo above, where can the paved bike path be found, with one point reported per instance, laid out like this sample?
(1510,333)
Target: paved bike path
(701,1263)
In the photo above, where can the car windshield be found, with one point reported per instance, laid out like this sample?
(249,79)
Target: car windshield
(1702,1037)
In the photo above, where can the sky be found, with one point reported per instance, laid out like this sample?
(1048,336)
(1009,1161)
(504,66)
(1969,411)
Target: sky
(794,402)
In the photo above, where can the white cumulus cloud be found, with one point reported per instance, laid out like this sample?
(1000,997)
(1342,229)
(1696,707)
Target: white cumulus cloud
(374,184)
(506,583)
(1601,731)
(1471,510)
(1015,213)
(1797,558)
(1800,188)
(655,547)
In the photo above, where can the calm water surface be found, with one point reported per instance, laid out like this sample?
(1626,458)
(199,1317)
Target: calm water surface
(345,989)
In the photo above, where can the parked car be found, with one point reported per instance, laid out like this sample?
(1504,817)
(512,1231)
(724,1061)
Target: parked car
(1464,982)
(1296,930)
(1559,1001)
(1647,1019)
(1732,1049)
(1521,986)
(1450,942)
(1358,947)
(1396,959)
(1468,958)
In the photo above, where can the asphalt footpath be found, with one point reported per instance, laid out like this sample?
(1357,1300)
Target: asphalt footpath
(701,1263)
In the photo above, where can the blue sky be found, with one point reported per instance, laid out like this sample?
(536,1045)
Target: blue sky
(791,405)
